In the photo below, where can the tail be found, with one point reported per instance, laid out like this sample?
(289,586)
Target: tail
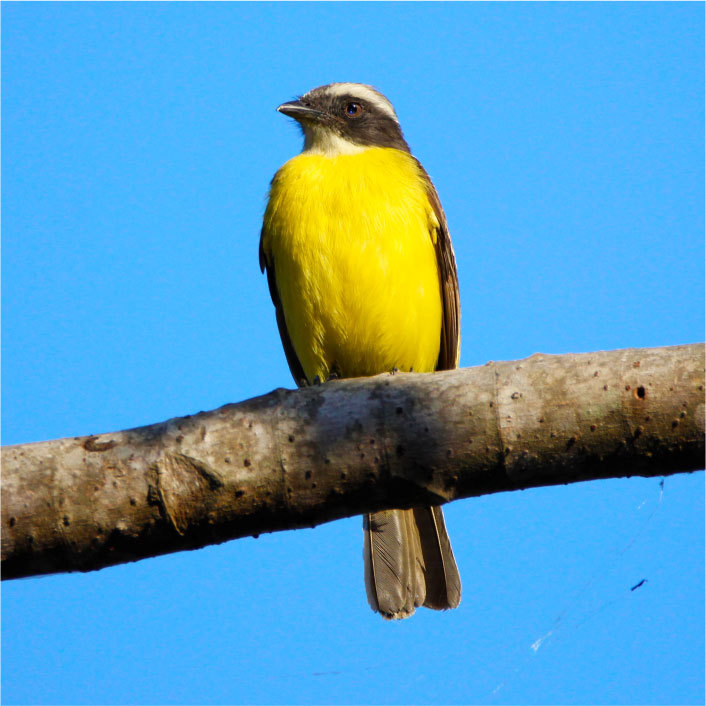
(409,562)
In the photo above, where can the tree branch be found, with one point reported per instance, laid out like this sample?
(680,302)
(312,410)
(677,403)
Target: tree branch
(299,458)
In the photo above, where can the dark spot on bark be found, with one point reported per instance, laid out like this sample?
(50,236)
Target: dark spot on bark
(239,493)
(372,442)
(13,521)
(327,461)
(313,485)
(226,459)
(133,501)
(400,450)
(399,410)
(307,474)
(648,418)
(595,375)
(516,395)
(92,445)
(490,404)
(343,475)
(682,414)
(675,423)
(593,427)
(541,420)
(627,387)
(638,432)
(640,393)
(246,462)
(572,440)
(605,387)
(290,438)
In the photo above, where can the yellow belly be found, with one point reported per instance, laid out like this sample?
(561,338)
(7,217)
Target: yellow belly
(351,238)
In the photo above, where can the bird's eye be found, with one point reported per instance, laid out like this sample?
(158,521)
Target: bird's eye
(354,110)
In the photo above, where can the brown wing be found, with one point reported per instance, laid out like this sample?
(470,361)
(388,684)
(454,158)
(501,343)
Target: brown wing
(450,349)
(294,365)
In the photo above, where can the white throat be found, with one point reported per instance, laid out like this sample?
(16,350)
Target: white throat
(319,140)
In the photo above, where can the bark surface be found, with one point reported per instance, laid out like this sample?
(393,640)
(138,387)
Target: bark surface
(299,458)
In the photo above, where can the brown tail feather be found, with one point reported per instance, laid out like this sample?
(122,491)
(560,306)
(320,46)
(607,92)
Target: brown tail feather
(409,562)
(442,579)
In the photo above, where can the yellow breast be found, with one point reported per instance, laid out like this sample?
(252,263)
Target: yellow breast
(351,238)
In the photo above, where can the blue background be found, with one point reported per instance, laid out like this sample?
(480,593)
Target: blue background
(566,142)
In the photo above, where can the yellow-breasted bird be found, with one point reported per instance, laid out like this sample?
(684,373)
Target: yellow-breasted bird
(363,278)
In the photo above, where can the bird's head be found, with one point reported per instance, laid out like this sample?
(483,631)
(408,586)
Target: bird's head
(344,118)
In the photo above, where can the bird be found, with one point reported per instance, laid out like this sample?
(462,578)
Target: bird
(362,275)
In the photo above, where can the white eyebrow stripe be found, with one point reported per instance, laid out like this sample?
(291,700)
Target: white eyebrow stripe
(365,93)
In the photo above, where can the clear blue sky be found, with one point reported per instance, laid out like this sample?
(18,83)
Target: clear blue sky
(567,144)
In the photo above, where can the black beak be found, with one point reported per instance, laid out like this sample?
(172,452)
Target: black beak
(299,111)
